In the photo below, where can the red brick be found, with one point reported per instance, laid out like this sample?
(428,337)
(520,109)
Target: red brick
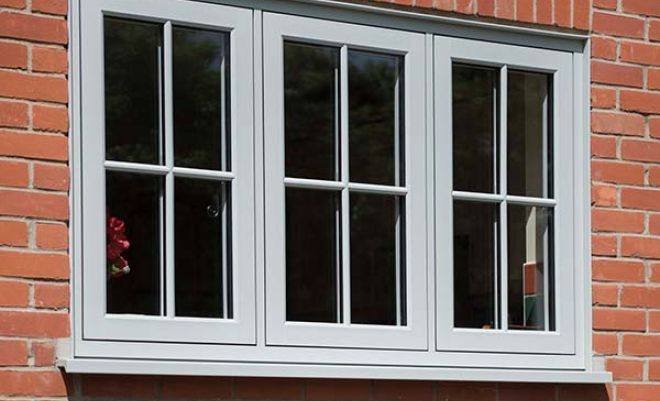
(617,172)
(619,319)
(446,5)
(604,294)
(618,25)
(57,7)
(641,297)
(466,6)
(604,48)
(617,123)
(187,387)
(625,369)
(13,55)
(603,98)
(34,265)
(655,273)
(266,388)
(49,118)
(617,74)
(605,4)
(644,7)
(128,386)
(563,13)
(337,390)
(654,370)
(641,53)
(603,195)
(14,174)
(525,10)
(642,247)
(44,353)
(33,27)
(617,270)
(52,296)
(19,4)
(463,391)
(33,324)
(642,102)
(486,8)
(654,224)
(14,294)
(36,146)
(603,146)
(638,198)
(13,352)
(605,343)
(399,390)
(653,78)
(603,245)
(527,392)
(617,221)
(48,59)
(32,383)
(13,114)
(544,11)
(654,321)
(52,236)
(640,150)
(654,30)
(637,392)
(654,175)
(581,14)
(505,9)
(34,204)
(51,176)
(32,87)
(13,233)
(654,126)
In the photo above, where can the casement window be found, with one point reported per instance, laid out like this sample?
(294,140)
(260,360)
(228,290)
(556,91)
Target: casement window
(326,190)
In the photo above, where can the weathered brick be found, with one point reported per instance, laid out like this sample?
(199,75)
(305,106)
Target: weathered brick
(603,48)
(643,7)
(603,245)
(13,294)
(605,294)
(619,319)
(13,233)
(603,98)
(51,176)
(33,27)
(32,383)
(49,59)
(617,270)
(617,74)
(52,236)
(13,352)
(56,7)
(13,114)
(641,53)
(617,172)
(625,369)
(643,247)
(34,265)
(605,343)
(14,173)
(642,102)
(33,87)
(613,220)
(603,195)
(33,324)
(618,25)
(34,204)
(617,123)
(54,296)
(640,198)
(13,55)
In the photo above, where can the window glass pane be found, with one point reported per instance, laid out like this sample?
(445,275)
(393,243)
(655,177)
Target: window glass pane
(202,220)
(200,85)
(312,229)
(132,59)
(529,249)
(133,243)
(311,82)
(474,126)
(475,264)
(375,116)
(376,253)
(528,139)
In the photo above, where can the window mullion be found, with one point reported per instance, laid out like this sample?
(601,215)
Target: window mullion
(345,195)
(503,254)
(169,163)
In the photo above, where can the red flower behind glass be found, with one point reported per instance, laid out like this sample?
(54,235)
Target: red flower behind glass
(117,243)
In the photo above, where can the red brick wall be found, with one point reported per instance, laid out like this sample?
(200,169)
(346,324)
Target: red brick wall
(34,265)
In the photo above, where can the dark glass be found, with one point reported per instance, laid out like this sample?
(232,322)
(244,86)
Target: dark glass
(528,140)
(135,200)
(132,53)
(375,86)
(475,264)
(474,128)
(311,93)
(529,254)
(200,83)
(201,223)
(312,227)
(374,258)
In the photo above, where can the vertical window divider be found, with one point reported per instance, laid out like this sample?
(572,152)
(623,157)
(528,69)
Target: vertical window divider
(345,196)
(504,280)
(397,204)
(161,198)
(225,166)
(496,226)
(169,163)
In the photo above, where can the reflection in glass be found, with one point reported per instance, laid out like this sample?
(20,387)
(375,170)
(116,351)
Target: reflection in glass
(376,252)
(312,224)
(528,139)
(475,264)
(135,200)
(311,93)
(529,249)
(200,83)
(474,128)
(132,53)
(201,247)
(375,117)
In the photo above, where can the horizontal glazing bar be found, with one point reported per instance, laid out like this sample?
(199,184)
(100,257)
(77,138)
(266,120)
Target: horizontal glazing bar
(313,184)
(477,196)
(496,198)
(377,189)
(129,167)
(201,173)
(526,200)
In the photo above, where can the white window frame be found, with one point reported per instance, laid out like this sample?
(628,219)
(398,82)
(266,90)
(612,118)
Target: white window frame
(98,324)
(559,65)
(189,346)
(277,29)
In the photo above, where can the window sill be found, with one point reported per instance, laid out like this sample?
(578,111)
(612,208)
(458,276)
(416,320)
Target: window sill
(192,368)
